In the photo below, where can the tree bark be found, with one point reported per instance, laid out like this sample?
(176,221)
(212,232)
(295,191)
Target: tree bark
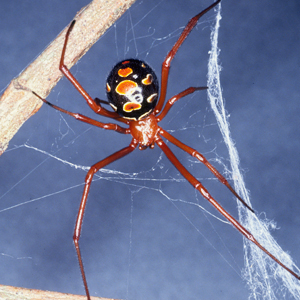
(14,293)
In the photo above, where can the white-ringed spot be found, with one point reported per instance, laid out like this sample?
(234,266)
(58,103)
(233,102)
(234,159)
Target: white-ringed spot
(148,80)
(125,86)
(130,106)
(130,118)
(125,72)
(151,98)
(145,114)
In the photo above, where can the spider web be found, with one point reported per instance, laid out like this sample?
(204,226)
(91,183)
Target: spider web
(154,184)
(261,272)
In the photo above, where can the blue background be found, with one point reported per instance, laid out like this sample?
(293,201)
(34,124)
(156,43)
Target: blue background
(136,244)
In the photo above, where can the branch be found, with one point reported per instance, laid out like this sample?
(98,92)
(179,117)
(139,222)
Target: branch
(13,293)
(17,104)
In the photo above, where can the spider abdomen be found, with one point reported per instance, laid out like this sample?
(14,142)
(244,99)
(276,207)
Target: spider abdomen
(132,89)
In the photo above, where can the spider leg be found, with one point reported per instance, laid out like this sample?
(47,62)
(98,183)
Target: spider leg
(118,118)
(201,158)
(80,117)
(96,107)
(98,101)
(171,101)
(167,62)
(88,180)
(198,185)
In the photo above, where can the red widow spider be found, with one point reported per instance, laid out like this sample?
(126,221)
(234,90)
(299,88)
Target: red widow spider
(132,91)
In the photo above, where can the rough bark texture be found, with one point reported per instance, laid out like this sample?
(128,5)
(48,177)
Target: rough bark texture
(13,293)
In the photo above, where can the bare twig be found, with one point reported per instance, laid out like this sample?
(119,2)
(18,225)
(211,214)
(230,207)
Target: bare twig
(17,103)
(14,293)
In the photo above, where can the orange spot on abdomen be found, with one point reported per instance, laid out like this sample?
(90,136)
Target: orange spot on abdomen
(125,86)
(124,72)
(148,79)
(130,106)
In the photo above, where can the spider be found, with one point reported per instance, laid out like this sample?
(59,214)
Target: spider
(133,93)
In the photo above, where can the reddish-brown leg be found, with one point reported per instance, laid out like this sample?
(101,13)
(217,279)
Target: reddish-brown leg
(167,62)
(198,185)
(96,107)
(201,158)
(82,118)
(171,101)
(88,180)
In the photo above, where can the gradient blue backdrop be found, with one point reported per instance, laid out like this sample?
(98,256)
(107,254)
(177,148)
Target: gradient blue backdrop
(168,258)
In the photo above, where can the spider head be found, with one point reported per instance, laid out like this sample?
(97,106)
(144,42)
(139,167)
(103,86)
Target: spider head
(132,89)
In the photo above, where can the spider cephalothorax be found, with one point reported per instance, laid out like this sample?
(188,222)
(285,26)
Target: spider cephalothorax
(132,89)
